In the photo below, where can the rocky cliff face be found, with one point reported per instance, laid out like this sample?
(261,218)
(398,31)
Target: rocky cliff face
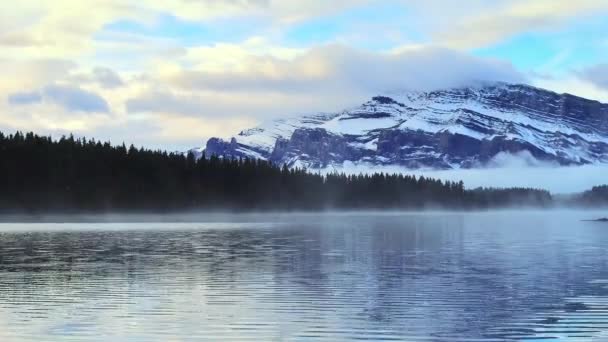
(454,128)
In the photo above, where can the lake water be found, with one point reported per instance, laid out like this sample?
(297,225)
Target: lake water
(503,276)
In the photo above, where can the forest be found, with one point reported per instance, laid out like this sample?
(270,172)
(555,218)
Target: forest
(40,174)
(597,196)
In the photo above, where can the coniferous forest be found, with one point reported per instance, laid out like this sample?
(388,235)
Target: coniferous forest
(597,196)
(39,174)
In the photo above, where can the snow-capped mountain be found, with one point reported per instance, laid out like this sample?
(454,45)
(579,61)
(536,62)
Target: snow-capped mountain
(454,128)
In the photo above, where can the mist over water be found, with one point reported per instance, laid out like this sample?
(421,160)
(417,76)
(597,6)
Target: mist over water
(485,276)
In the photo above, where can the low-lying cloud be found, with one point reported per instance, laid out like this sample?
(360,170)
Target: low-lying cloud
(561,180)
(507,170)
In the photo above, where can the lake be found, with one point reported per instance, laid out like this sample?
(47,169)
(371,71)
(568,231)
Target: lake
(495,276)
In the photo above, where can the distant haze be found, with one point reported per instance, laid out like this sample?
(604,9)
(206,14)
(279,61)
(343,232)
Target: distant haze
(560,180)
(557,180)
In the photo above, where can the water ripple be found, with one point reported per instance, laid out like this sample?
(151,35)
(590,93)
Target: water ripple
(381,278)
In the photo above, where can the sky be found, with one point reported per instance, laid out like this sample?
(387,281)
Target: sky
(170,74)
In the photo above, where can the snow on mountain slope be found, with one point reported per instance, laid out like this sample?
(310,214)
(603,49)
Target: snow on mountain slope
(454,128)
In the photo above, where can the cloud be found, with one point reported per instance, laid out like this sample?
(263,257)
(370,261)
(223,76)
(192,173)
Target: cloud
(46,116)
(107,78)
(25,98)
(326,78)
(256,88)
(164,102)
(278,11)
(598,75)
(498,20)
(337,67)
(560,180)
(68,28)
(32,73)
(20,40)
(245,106)
(75,99)
(73,64)
(555,179)
(71,98)
(104,77)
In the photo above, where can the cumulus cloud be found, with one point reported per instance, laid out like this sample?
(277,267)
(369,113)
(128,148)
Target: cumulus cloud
(71,98)
(211,99)
(335,66)
(327,78)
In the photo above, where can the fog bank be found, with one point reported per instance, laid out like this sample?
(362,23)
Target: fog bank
(558,180)
(266,220)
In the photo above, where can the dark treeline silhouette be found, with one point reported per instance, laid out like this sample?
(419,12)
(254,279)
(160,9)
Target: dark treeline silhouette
(597,196)
(38,173)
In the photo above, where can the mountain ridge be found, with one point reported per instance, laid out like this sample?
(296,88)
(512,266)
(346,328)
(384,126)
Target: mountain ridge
(462,127)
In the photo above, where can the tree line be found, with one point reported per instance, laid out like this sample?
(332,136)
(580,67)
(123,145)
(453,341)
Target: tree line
(597,196)
(38,173)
